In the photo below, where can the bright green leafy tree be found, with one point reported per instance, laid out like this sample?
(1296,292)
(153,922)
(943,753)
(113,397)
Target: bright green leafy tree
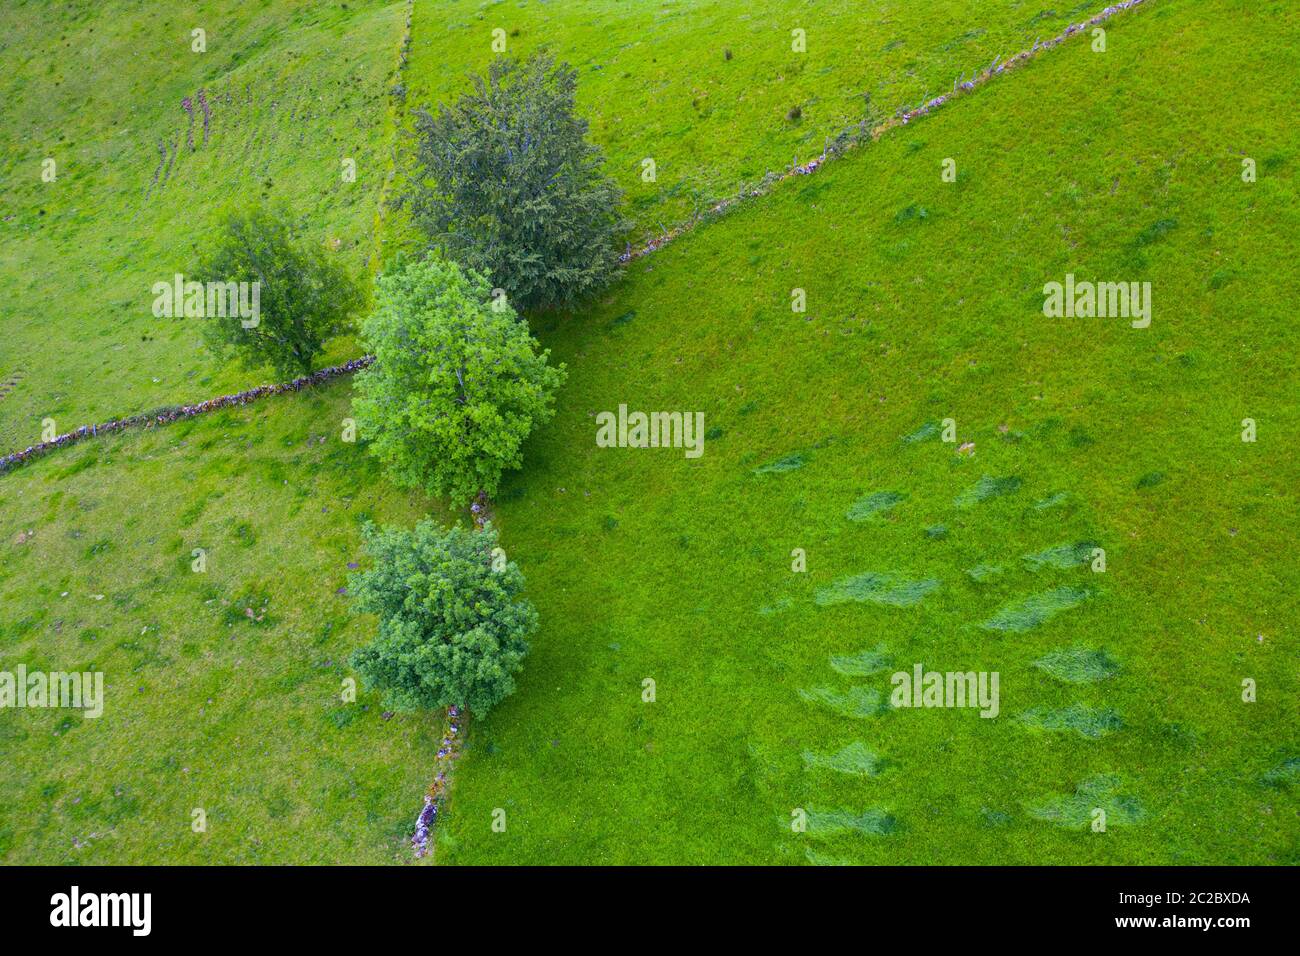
(457,384)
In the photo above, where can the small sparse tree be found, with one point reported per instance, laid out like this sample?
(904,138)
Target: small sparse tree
(512,188)
(457,383)
(304,297)
(452,628)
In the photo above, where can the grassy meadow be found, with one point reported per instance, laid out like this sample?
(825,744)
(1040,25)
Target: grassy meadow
(707,89)
(1120,689)
(224,685)
(924,303)
(292,88)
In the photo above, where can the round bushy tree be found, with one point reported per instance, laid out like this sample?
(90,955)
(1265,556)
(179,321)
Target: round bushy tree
(457,383)
(304,297)
(452,628)
(512,188)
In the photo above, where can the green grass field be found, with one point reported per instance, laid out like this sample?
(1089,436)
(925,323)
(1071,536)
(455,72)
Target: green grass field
(1119,690)
(293,89)
(924,302)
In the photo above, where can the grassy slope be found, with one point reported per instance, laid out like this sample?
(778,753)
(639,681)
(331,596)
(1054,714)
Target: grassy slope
(588,772)
(205,708)
(294,88)
(924,302)
(654,80)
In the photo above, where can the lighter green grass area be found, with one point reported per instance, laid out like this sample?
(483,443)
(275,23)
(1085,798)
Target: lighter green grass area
(1052,501)
(294,88)
(206,704)
(656,82)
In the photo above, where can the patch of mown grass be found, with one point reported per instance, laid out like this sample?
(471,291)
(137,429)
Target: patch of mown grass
(1090,722)
(924,433)
(791,462)
(865,662)
(986,488)
(1061,557)
(1284,776)
(1078,810)
(871,822)
(1078,665)
(1029,612)
(855,759)
(877,588)
(875,505)
(856,702)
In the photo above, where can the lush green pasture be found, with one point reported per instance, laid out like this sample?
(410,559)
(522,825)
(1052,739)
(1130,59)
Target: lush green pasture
(223,687)
(293,88)
(656,81)
(1119,690)
(924,303)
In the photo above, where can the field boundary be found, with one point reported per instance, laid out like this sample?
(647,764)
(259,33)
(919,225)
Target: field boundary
(844,141)
(859,133)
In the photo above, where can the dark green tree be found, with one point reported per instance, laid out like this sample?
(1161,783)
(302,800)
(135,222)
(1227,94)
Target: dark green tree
(304,297)
(452,626)
(511,188)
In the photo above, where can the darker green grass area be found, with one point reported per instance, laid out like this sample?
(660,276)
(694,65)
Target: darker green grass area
(856,702)
(782,465)
(865,662)
(987,488)
(1099,801)
(855,759)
